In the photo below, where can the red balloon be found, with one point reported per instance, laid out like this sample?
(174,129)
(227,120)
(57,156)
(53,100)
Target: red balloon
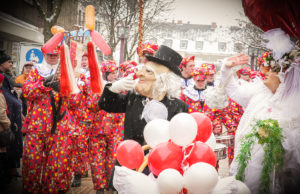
(202,153)
(130,154)
(52,43)
(165,155)
(204,126)
(99,41)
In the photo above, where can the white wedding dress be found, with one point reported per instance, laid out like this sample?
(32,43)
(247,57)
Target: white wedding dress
(260,103)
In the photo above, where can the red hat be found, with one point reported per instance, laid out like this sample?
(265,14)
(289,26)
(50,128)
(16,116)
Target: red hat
(29,63)
(124,66)
(1,77)
(199,73)
(185,61)
(108,66)
(129,69)
(244,71)
(55,51)
(210,68)
(148,47)
(264,58)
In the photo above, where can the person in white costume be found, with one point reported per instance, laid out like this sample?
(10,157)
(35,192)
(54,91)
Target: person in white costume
(276,97)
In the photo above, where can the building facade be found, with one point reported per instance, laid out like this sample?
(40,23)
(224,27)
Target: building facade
(208,43)
(21,26)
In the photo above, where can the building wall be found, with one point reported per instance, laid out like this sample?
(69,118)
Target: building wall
(23,10)
(20,23)
(208,43)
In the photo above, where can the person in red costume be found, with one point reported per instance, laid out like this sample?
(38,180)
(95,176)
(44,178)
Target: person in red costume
(107,134)
(187,66)
(193,96)
(149,49)
(124,67)
(211,71)
(46,163)
(81,115)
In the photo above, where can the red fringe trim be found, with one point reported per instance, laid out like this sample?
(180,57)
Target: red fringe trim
(96,82)
(65,86)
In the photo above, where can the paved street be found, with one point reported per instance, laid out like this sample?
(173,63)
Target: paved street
(87,186)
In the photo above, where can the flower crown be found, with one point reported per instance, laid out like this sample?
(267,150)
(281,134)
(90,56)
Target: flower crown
(286,61)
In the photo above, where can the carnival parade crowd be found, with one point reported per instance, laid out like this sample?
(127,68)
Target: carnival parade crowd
(60,139)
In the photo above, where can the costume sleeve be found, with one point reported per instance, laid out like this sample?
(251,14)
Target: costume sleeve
(112,102)
(33,87)
(4,120)
(239,93)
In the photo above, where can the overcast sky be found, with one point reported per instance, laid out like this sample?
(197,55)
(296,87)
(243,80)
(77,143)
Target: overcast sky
(223,12)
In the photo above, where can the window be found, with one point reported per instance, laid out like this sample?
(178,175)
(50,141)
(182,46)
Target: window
(238,47)
(199,45)
(153,40)
(183,44)
(169,33)
(222,46)
(168,42)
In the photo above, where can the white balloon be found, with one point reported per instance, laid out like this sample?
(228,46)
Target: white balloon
(156,132)
(225,185)
(183,129)
(200,178)
(229,185)
(242,188)
(170,181)
(211,141)
(129,181)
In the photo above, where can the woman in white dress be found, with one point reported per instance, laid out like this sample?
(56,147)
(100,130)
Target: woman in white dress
(277,97)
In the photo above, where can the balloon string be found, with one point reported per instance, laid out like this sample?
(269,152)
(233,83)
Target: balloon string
(184,163)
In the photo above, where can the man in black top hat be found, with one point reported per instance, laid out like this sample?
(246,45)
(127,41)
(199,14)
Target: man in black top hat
(158,88)
(155,95)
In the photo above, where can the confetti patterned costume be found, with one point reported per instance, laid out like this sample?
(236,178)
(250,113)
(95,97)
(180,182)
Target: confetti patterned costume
(81,119)
(46,163)
(107,133)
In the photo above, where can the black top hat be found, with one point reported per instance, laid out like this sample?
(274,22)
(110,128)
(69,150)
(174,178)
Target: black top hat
(167,57)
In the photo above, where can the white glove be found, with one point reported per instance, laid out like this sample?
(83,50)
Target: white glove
(125,84)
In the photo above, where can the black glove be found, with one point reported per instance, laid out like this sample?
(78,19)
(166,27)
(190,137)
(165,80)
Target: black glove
(55,85)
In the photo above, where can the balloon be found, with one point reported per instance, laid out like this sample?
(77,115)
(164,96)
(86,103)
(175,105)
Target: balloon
(55,29)
(163,156)
(52,43)
(156,132)
(130,181)
(202,153)
(211,141)
(130,154)
(90,17)
(170,181)
(99,41)
(230,185)
(183,129)
(204,126)
(200,178)
(242,188)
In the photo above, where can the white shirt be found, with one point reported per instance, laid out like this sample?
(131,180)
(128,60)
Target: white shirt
(45,70)
(260,104)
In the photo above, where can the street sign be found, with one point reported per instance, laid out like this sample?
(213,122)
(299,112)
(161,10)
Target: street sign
(29,52)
